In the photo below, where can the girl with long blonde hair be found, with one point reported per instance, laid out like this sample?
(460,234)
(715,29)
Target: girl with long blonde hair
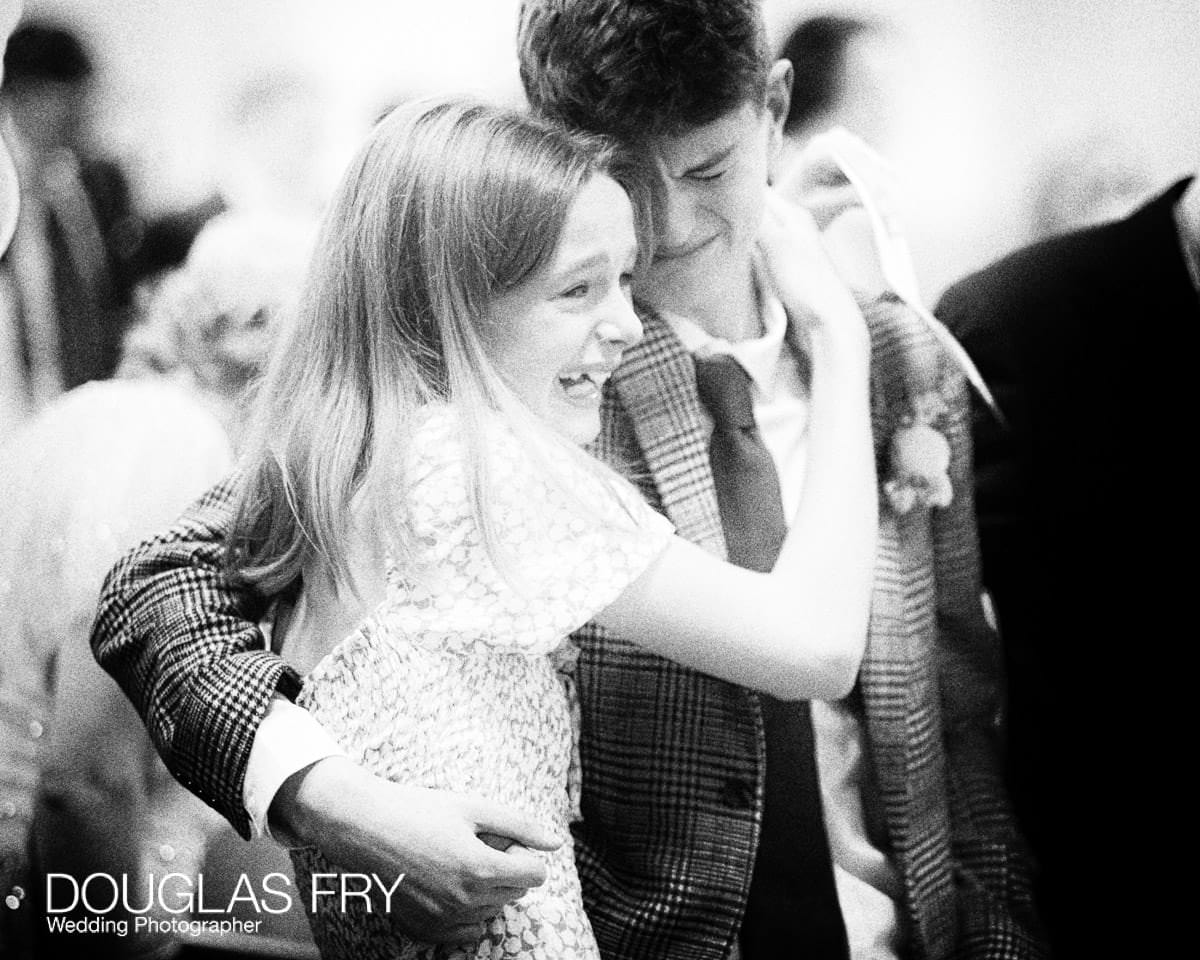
(417,467)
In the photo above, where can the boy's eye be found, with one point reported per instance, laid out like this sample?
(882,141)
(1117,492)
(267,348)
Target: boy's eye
(576,292)
(705,176)
(220,323)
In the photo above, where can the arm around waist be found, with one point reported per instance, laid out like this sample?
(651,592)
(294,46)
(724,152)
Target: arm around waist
(182,641)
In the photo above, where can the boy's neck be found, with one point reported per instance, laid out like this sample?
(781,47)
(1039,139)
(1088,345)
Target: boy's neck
(725,306)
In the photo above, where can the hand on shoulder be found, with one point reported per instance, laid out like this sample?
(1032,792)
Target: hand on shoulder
(795,263)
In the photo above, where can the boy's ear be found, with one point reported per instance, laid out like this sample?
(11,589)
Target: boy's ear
(779,98)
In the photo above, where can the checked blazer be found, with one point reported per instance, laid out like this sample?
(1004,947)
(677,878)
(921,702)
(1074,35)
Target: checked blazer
(672,759)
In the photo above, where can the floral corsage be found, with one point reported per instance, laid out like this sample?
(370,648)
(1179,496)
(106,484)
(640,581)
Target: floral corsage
(849,189)
(910,408)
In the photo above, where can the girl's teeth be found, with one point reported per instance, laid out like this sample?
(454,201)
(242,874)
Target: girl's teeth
(578,387)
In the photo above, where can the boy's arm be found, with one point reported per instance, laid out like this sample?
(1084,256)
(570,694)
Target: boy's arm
(183,643)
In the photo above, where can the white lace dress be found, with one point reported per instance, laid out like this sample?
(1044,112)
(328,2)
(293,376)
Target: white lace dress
(450,683)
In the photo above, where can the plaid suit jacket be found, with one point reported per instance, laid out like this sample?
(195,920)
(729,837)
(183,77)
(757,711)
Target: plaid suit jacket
(185,647)
(672,759)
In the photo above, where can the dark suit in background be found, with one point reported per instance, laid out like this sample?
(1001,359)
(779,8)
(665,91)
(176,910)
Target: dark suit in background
(84,229)
(1088,341)
(72,263)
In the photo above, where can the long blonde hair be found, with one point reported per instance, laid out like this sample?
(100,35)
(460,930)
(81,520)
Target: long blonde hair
(447,205)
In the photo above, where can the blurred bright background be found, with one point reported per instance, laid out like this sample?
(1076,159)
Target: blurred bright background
(989,99)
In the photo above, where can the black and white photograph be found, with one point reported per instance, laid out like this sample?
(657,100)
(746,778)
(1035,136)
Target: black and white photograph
(596,479)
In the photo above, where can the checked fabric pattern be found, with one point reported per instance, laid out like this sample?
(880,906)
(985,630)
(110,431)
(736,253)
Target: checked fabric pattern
(186,649)
(671,758)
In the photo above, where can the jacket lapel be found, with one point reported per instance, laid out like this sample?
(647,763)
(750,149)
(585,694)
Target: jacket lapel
(656,387)
(899,676)
(899,685)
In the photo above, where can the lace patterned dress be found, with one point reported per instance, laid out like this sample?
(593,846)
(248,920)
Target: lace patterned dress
(450,683)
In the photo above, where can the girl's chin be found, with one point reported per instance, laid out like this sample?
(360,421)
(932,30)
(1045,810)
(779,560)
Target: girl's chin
(579,427)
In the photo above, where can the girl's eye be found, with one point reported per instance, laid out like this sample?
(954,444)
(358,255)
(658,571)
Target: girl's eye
(626,281)
(708,176)
(577,292)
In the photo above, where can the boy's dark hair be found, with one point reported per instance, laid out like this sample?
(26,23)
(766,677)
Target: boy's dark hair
(817,50)
(635,68)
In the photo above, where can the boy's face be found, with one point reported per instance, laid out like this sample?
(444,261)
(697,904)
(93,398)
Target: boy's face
(709,194)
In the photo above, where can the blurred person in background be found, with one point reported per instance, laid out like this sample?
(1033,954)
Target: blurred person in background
(98,469)
(846,70)
(10,200)
(283,154)
(848,75)
(242,272)
(1089,341)
(70,271)
(1089,180)
(16,932)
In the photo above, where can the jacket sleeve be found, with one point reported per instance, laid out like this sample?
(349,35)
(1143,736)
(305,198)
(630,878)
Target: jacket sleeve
(992,865)
(184,644)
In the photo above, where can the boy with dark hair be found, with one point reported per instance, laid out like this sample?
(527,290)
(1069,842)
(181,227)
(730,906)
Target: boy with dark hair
(714,819)
(648,70)
(769,824)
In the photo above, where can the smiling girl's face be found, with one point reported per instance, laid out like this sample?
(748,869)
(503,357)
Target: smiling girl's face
(556,338)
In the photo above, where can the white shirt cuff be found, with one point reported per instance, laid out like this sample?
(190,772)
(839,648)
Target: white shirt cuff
(287,741)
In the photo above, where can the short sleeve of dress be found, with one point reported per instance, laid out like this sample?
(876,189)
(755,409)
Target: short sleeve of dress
(567,536)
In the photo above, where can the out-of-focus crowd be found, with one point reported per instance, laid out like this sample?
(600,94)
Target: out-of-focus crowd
(126,348)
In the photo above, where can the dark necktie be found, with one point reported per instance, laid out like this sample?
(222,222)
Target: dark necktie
(792,909)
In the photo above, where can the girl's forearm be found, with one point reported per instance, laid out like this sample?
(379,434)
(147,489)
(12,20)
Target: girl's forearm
(829,553)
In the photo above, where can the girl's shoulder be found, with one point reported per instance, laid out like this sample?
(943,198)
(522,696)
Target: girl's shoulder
(518,466)
(518,538)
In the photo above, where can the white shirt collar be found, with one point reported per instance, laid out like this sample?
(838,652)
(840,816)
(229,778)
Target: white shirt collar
(759,357)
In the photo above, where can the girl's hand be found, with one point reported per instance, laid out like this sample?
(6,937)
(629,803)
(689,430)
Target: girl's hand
(816,182)
(793,261)
(850,240)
